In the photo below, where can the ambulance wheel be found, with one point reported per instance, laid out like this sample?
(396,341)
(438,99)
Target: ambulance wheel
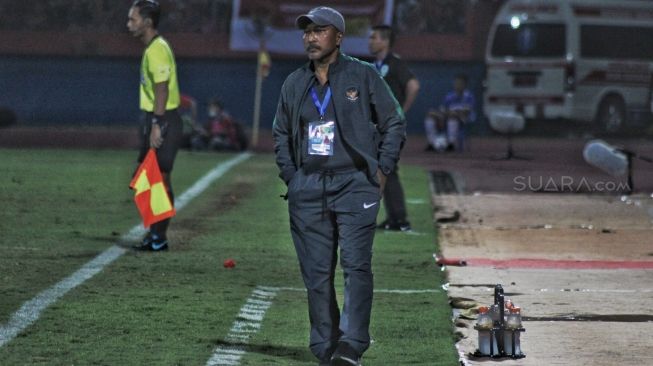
(611,116)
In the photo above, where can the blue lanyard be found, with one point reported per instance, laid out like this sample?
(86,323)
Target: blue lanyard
(321,106)
(379,65)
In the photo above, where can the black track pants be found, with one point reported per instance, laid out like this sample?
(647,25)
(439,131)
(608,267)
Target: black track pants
(327,212)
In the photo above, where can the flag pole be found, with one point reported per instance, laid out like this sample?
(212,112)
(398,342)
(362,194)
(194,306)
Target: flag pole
(257,97)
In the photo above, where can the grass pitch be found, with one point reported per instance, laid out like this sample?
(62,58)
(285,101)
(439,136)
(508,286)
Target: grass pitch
(61,208)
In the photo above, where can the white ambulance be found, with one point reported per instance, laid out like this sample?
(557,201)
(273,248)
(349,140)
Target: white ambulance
(584,60)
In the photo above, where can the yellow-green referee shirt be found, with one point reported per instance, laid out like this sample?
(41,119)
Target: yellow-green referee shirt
(158,65)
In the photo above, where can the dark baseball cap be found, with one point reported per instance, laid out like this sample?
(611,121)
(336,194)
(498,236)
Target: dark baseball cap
(322,15)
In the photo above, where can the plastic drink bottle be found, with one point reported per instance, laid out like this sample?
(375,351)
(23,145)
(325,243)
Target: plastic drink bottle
(484,326)
(513,323)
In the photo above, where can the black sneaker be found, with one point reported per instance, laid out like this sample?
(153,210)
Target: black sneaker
(382,225)
(152,243)
(145,243)
(388,225)
(405,227)
(396,226)
(345,355)
(159,245)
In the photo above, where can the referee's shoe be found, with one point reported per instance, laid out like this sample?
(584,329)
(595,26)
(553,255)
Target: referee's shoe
(152,243)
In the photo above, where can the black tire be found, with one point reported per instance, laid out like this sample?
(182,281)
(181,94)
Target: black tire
(611,116)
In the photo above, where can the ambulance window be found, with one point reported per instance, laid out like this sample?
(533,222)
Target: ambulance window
(530,40)
(616,42)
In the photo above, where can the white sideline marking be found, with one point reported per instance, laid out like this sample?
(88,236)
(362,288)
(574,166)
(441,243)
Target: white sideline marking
(246,325)
(31,310)
(410,232)
(376,291)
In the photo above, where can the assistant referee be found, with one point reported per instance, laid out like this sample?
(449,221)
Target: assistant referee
(159,99)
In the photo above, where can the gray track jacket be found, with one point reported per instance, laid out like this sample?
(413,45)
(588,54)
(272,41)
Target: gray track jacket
(370,119)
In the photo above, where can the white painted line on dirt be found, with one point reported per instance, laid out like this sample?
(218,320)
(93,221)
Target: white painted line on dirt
(247,324)
(462,358)
(576,290)
(31,310)
(376,291)
(606,291)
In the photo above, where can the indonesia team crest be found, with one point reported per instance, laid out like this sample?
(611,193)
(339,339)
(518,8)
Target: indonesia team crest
(352,94)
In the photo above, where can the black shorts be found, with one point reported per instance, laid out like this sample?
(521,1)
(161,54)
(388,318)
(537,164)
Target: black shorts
(171,140)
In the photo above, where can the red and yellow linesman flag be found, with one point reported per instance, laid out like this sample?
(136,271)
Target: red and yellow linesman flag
(264,63)
(150,193)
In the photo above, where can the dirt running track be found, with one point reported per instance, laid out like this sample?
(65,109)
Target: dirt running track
(567,246)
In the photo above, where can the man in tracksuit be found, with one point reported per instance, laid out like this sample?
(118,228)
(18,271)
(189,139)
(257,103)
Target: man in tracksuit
(338,132)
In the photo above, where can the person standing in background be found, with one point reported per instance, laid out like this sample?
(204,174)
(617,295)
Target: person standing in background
(405,86)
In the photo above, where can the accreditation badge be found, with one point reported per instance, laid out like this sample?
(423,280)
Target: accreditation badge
(320,137)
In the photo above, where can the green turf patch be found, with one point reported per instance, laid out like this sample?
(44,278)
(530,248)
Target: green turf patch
(60,208)
(174,308)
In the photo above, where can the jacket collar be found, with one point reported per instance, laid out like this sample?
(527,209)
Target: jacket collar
(333,68)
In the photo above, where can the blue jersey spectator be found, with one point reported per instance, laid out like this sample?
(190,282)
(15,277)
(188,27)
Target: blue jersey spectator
(456,113)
